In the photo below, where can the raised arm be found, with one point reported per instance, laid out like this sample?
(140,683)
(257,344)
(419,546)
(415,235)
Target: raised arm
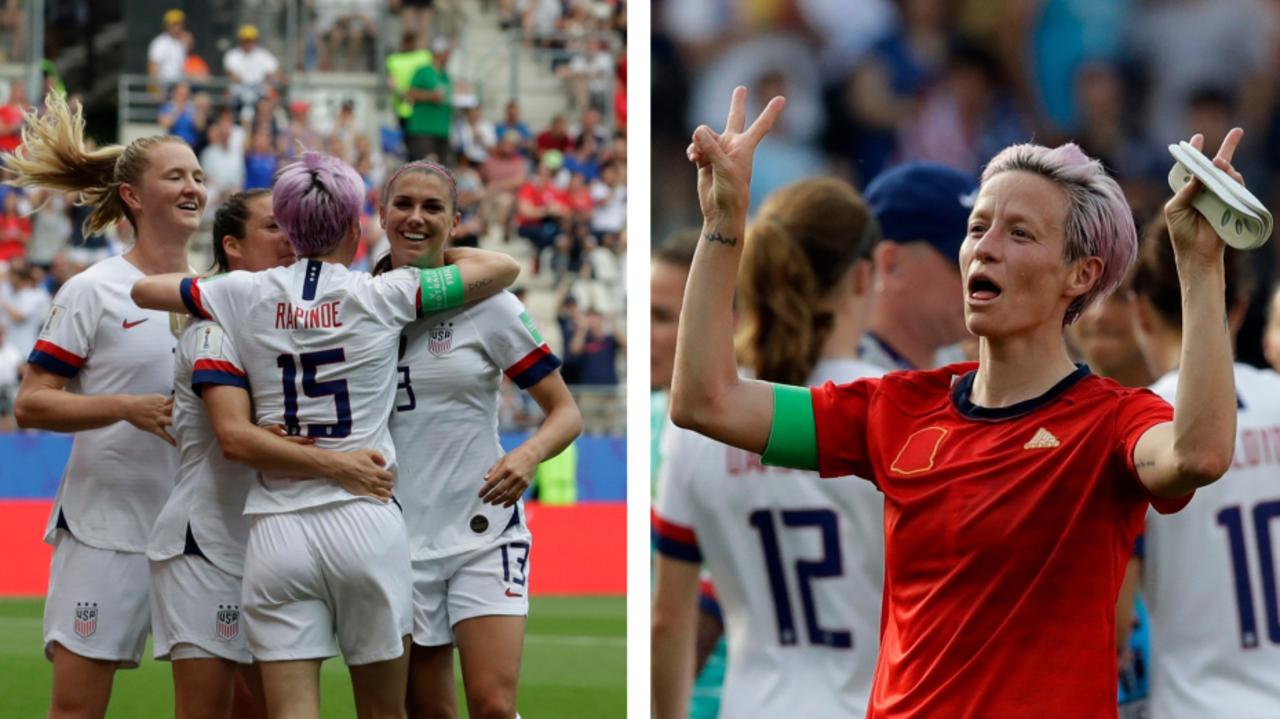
(1195,449)
(361,472)
(484,273)
(160,292)
(707,395)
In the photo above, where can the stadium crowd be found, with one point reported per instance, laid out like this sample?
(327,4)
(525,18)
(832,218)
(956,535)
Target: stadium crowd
(555,195)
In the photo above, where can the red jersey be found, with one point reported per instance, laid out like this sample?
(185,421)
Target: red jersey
(1006,536)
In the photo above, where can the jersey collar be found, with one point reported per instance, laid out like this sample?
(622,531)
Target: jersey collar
(963,387)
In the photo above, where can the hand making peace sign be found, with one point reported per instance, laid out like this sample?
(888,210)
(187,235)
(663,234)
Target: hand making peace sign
(724,159)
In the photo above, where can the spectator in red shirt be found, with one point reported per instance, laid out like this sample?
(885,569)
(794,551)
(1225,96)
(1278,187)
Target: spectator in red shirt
(15,230)
(541,207)
(555,137)
(11,116)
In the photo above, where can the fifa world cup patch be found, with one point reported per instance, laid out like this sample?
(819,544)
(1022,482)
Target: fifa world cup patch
(1043,439)
(440,339)
(227,622)
(918,453)
(86,619)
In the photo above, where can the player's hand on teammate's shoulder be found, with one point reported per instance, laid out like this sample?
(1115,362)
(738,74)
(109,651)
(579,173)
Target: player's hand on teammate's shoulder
(506,481)
(152,413)
(1192,235)
(363,472)
(724,159)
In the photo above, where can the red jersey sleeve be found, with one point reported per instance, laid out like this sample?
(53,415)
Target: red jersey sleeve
(1138,411)
(840,416)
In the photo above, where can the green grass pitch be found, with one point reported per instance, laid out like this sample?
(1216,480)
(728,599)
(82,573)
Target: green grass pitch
(574,666)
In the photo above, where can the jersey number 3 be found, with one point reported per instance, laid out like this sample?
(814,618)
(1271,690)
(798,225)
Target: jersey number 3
(311,388)
(830,565)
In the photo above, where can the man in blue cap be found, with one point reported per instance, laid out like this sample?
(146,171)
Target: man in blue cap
(923,211)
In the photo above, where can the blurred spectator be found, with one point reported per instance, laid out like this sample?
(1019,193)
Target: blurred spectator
(23,304)
(609,200)
(668,275)
(541,208)
(471,192)
(50,225)
(194,67)
(475,135)
(415,15)
(401,67)
(201,117)
(224,168)
(346,29)
(431,92)
(300,132)
(177,116)
(511,123)
(568,317)
(595,348)
(589,76)
(61,269)
(1271,337)
(15,230)
(556,137)
(11,363)
(577,196)
(503,172)
(14,19)
(250,66)
(11,116)
(583,159)
(591,126)
(166,55)
(345,128)
(260,162)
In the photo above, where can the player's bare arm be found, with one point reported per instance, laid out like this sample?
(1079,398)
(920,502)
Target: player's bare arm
(361,472)
(707,395)
(44,403)
(1195,449)
(674,618)
(507,480)
(160,292)
(484,273)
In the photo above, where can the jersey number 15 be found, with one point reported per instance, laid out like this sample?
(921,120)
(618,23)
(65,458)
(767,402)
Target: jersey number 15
(311,388)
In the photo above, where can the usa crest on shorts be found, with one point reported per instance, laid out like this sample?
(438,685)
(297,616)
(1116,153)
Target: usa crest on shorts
(86,619)
(440,338)
(227,623)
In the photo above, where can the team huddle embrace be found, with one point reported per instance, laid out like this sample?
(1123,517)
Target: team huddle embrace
(277,463)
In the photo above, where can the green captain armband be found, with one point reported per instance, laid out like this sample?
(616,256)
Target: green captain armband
(793,438)
(441,288)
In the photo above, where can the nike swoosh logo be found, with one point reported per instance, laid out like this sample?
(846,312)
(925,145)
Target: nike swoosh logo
(130,325)
(513,594)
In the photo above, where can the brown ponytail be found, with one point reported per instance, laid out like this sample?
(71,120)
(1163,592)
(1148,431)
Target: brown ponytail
(53,155)
(805,238)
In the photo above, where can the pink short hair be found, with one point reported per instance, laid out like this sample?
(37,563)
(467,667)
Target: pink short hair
(316,200)
(1099,222)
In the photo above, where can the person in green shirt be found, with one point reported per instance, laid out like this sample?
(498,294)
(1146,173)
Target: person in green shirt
(431,92)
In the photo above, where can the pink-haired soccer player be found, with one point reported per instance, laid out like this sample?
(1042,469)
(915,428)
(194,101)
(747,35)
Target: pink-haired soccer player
(1014,486)
(318,343)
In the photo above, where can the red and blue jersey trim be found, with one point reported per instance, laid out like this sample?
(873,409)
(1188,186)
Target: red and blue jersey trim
(207,372)
(708,602)
(190,290)
(533,367)
(674,540)
(49,356)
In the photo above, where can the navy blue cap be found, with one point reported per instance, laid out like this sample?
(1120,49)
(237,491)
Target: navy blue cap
(923,201)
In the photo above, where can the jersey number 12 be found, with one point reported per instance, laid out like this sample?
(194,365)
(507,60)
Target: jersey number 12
(830,565)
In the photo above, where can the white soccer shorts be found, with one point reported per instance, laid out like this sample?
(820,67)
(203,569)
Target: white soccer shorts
(97,602)
(334,569)
(195,611)
(490,581)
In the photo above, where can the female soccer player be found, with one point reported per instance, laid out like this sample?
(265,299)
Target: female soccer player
(467,533)
(1013,486)
(1209,568)
(318,343)
(797,561)
(103,369)
(198,544)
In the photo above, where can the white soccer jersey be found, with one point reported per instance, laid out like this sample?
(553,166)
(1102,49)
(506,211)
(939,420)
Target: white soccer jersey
(445,424)
(318,343)
(798,567)
(118,477)
(1210,575)
(210,494)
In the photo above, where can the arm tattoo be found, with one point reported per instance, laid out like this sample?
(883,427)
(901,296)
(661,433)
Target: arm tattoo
(480,283)
(720,239)
(1143,463)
